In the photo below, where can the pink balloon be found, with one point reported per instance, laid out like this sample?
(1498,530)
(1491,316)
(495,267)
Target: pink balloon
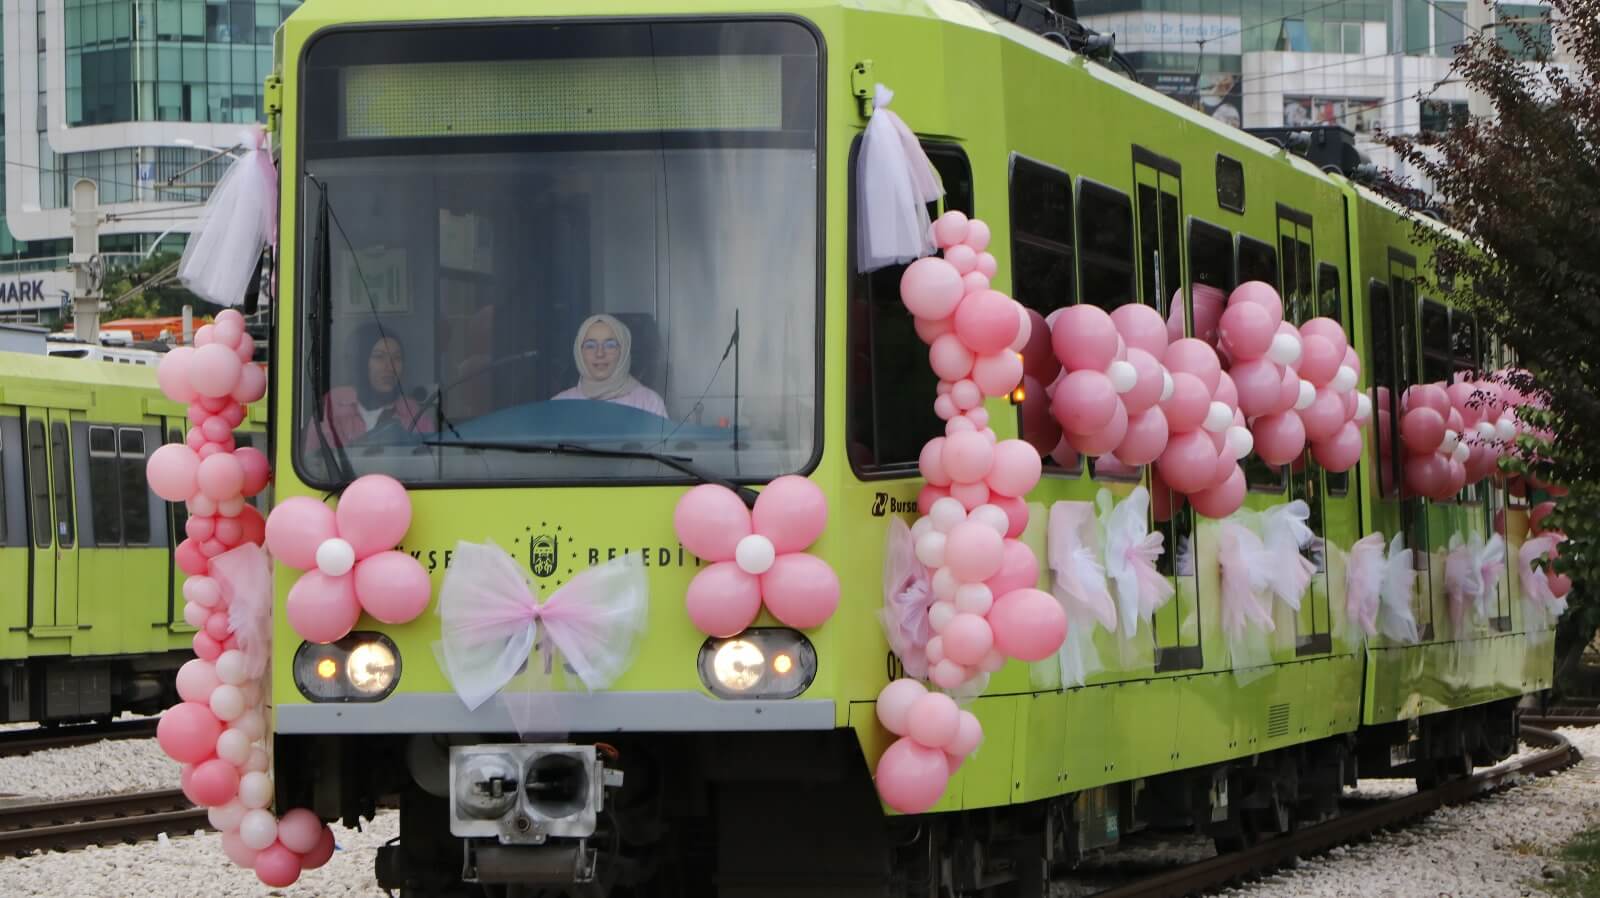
(214,783)
(1279,437)
(220,477)
(228,327)
(945,408)
(997,373)
(299,830)
(1019,568)
(973,552)
(1324,416)
(277,866)
(217,626)
(1141,327)
(188,732)
(792,512)
(214,371)
(1029,625)
(252,525)
(173,472)
(322,608)
(1015,470)
(257,470)
(801,590)
(194,439)
(967,639)
(977,234)
(373,514)
(1085,401)
(206,648)
(968,456)
(237,851)
(1223,499)
(1246,330)
(1319,360)
(229,532)
(1422,428)
(1288,390)
(251,385)
(1016,513)
(245,349)
(987,322)
(1194,357)
(1261,294)
(1038,355)
(392,587)
(196,679)
(950,358)
(709,520)
(1189,462)
(1190,401)
(1106,439)
(931,462)
(1329,330)
(1147,387)
(950,229)
(931,288)
(296,527)
(202,591)
(1064,455)
(214,404)
(930,329)
(319,854)
(1226,392)
(964,258)
(1084,338)
(894,704)
(911,777)
(933,719)
(1560,585)
(1145,438)
(1427,396)
(172,373)
(928,495)
(1341,452)
(723,600)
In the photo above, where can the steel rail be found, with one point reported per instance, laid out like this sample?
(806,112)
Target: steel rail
(105,820)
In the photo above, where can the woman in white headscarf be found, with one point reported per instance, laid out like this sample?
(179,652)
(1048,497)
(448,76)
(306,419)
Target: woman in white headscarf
(603,352)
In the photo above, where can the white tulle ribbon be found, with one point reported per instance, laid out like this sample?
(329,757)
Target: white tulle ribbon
(239,220)
(1079,584)
(491,624)
(1395,620)
(244,575)
(1463,580)
(907,595)
(1246,618)
(895,182)
(1491,561)
(1363,579)
(1131,552)
(1284,533)
(1536,590)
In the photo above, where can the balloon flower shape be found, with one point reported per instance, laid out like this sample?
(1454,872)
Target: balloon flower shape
(349,559)
(757,555)
(935,738)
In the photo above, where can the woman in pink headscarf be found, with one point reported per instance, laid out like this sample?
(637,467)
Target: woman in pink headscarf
(603,352)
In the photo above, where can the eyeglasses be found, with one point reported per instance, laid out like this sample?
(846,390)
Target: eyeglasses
(608,346)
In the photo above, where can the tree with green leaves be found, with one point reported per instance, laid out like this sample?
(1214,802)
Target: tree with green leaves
(162,294)
(1523,183)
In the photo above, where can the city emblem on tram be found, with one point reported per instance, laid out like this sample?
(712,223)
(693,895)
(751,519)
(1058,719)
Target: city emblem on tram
(543,554)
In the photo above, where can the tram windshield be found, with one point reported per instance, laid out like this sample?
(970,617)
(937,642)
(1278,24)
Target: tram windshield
(556,253)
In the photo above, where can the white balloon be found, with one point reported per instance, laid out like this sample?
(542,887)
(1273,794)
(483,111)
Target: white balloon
(195,615)
(1308,395)
(974,598)
(946,513)
(1345,380)
(234,747)
(1123,376)
(944,585)
(255,790)
(1462,452)
(231,667)
(934,650)
(335,557)
(202,505)
(259,762)
(1485,430)
(1505,429)
(252,724)
(1218,417)
(993,516)
(930,549)
(939,615)
(1285,349)
(1363,406)
(754,554)
(920,526)
(227,702)
(1166,385)
(231,507)
(1240,442)
(258,828)
(1451,441)
(227,816)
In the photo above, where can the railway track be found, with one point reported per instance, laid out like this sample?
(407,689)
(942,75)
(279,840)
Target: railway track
(106,820)
(1217,872)
(22,742)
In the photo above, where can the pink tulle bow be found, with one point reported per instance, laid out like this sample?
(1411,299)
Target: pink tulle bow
(1491,563)
(1080,581)
(1363,582)
(1536,581)
(907,594)
(1284,534)
(1236,546)
(1463,580)
(1395,620)
(245,576)
(1131,554)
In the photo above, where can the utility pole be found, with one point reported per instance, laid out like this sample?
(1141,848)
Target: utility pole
(87,266)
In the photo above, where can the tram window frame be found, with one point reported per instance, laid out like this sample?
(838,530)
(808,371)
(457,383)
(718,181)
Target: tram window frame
(1028,179)
(38,477)
(876,297)
(1328,281)
(104,487)
(1257,260)
(61,477)
(1099,204)
(177,512)
(1201,232)
(135,487)
(1230,184)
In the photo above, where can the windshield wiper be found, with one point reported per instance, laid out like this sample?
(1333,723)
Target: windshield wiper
(320,304)
(678,462)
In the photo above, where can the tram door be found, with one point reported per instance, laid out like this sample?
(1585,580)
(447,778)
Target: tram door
(1159,202)
(51,518)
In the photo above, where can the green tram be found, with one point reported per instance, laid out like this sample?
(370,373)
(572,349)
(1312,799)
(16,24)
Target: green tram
(91,610)
(480,180)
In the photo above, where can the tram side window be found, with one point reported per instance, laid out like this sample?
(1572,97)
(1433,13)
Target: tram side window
(1258,261)
(1437,361)
(39,484)
(105,506)
(1210,277)
(1385,379)
(135,486)
(1105,251)
(890,400)
(1329,305)
(1041,235)
(62,474)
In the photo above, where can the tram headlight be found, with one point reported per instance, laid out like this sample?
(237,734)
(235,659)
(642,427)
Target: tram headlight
(760,663)
(362,667)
